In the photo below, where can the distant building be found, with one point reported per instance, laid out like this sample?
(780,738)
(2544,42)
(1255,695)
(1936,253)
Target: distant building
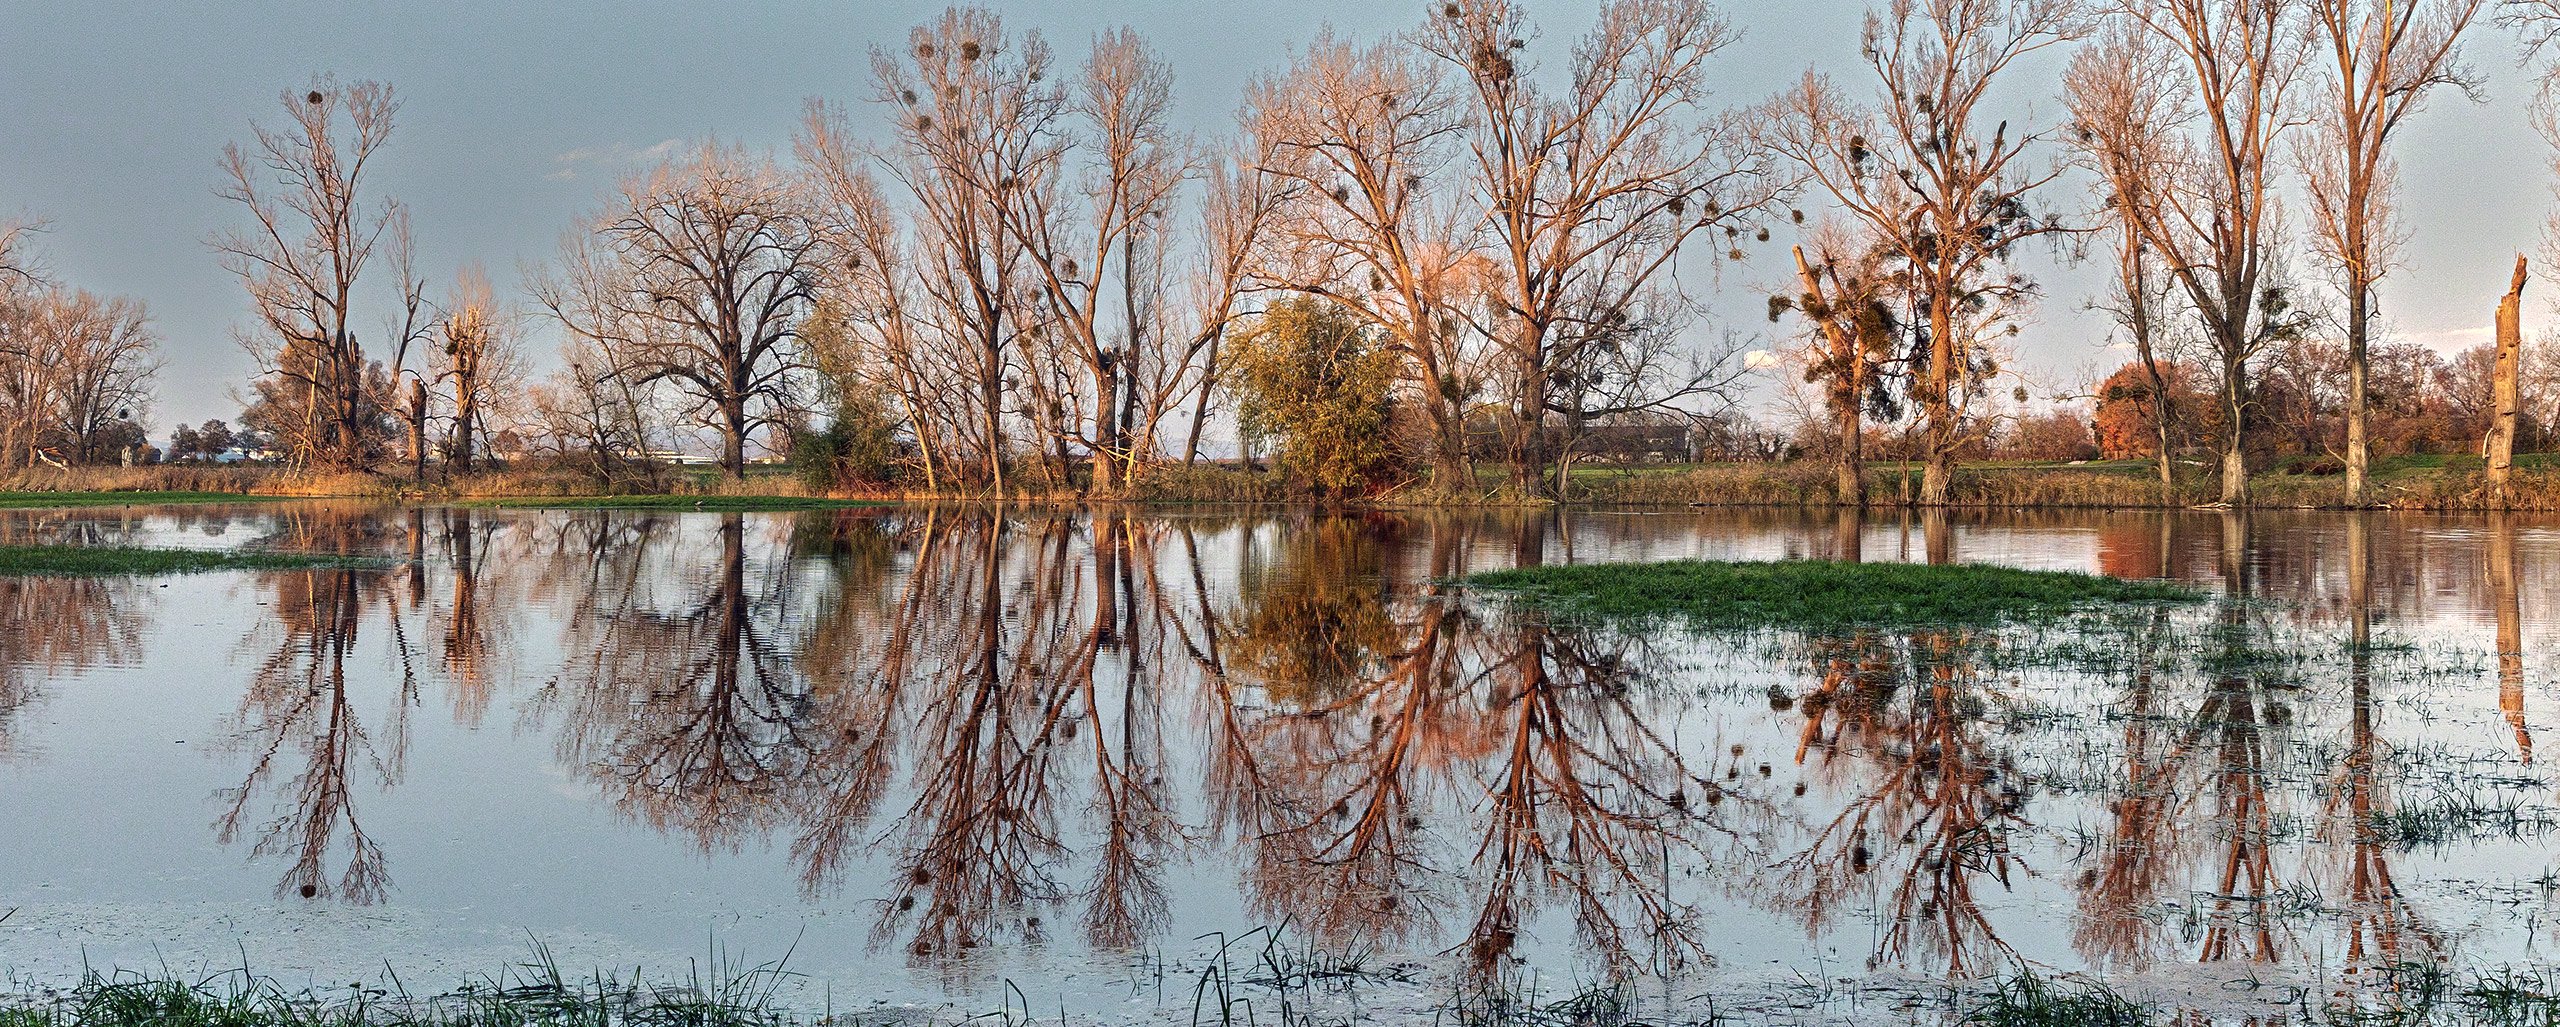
(679,458)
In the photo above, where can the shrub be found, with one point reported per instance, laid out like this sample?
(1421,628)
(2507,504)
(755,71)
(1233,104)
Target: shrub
(1314,381)
(858,450)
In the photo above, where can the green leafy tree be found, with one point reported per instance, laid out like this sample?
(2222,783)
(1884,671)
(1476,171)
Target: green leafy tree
(858,450)
(1313,381)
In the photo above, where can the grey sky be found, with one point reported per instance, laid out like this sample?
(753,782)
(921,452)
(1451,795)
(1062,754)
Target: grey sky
(516,116)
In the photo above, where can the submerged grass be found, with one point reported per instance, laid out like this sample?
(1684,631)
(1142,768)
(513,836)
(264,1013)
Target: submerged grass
(1815,594)
(125,561)
(534,994)
(2028,1000)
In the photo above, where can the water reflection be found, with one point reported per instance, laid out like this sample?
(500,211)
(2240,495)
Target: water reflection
(306,739)
(990,728)
(59,627)
(1900,724)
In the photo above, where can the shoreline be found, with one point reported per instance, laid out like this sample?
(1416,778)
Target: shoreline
(2415,484)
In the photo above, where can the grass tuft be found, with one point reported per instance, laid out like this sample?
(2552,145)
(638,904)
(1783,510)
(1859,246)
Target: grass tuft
(2027,1000)
(1806,594)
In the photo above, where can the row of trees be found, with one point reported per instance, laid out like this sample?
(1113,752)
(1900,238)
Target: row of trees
(76,368)
(2193,122)
(1032,274)
(1035,273)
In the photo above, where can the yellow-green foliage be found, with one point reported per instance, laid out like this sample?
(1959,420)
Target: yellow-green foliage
(1313,382)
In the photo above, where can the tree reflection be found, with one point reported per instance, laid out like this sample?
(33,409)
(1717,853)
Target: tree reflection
(690,712)
(2505,597)
(2382,930)
(1408,709)
(471,642)
(308,742)
(1000,724)
(1900,721)
(59,627)
(299,718)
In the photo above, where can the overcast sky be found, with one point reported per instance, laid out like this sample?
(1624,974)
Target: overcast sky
(516,116)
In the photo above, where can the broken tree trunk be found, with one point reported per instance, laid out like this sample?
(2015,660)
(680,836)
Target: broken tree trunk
(2501,444)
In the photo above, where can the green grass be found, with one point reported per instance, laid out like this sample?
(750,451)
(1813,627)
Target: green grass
(29,500)
(1813,594)
(715,504)
(2028,1000)
(132,561)
(535,994)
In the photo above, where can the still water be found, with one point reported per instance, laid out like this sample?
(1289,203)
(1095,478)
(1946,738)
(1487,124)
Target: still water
(950,758)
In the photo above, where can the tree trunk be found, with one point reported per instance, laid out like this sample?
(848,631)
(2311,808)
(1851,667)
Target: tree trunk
(733,437)
(1106,424)
(1449,446)
(1200,402)
(2359,404)
(465,423)
(2235,412)
(2138,318)
(1529,455)
(2160,428)
(2501,444)
(418,428)
(1848,467)
(991,396)
(1936,476)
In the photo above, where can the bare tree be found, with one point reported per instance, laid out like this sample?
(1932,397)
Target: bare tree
(1350,140)
(873,332)
(697,276)
(313,232)
(2381,58)
(1136,167)
(76,372)
(1590,192)
(591,415)
(2213,212)
(478,361)
(1948,193)
(965,99)
(17,268)
(1236,209)
(2125,96)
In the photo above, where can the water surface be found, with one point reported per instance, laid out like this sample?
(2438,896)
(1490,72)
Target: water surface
(949,756)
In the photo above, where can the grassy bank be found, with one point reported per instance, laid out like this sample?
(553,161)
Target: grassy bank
(1806,594)
(128,561)
(51,500)
(708,503)
(2425,482)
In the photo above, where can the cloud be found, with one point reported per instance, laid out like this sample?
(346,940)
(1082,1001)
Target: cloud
(2454,340)
(569,165)
(1759,360)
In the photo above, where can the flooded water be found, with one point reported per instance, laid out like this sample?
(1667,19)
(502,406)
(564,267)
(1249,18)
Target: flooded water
(1118,764)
